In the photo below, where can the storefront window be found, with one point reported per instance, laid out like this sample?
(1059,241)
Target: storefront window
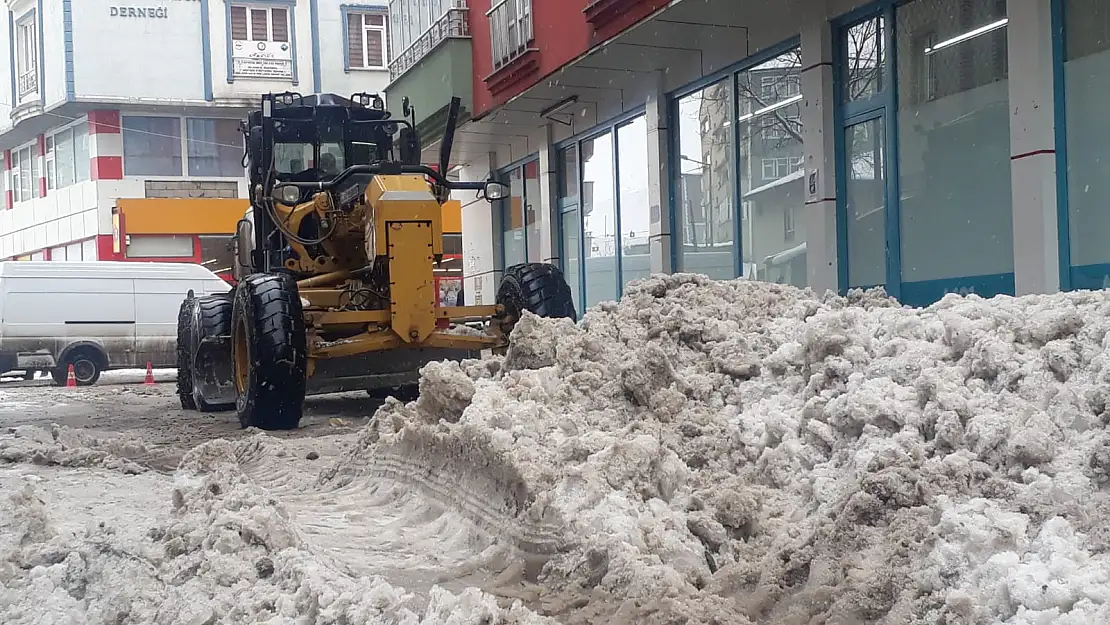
(1086,83)
(866,203)
(160,246)
(599,219)
(532,209)
(513,244)
(570,227)
(612,216)
(772,169)
(704,191)
(216,253)
(572,241)
(635,215)
(954,143)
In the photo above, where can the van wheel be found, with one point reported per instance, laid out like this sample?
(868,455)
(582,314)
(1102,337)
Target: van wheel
(269,352)
(211,320)
(185,353)
(87,367)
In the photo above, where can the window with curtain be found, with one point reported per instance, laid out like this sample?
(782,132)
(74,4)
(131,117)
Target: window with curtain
(367,35)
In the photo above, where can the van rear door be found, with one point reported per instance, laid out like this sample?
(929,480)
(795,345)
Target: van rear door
(157,302)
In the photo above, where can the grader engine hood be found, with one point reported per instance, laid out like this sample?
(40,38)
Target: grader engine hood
(404,228)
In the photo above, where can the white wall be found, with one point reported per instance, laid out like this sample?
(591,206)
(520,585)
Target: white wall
(64,215)
(333,41)
(54,62)
(480,278)
(132,58)
(5,75)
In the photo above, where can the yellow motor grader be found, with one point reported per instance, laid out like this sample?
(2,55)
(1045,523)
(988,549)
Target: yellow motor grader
(334,265)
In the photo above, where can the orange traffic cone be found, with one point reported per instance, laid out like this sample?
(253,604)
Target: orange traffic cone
(149,374)
(71,380)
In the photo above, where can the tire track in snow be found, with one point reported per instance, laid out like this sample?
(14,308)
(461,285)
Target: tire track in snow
(374,525)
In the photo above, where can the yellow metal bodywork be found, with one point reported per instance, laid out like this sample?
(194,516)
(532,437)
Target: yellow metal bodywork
(401,224)
(408,230)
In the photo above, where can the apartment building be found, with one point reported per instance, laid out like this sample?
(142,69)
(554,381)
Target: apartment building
(120,136)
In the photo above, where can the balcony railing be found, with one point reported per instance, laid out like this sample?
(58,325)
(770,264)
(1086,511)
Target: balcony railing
(28,82)
(451,24)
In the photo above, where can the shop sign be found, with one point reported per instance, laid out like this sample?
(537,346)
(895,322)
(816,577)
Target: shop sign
(262,59)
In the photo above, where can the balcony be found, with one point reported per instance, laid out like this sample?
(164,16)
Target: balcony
(611,17)
(28,82)
(451,25)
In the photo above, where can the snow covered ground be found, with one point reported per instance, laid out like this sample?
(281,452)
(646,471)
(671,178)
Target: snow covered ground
(701,452)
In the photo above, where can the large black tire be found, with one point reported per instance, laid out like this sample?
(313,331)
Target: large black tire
(539,288)
(211,319)
(185,353)
(269,352)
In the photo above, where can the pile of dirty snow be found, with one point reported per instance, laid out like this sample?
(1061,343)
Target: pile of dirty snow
(227,552)
(67,447)
(742,452)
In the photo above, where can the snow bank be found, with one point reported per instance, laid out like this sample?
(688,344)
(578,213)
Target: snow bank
(229,553)
(741,452)
(62,446)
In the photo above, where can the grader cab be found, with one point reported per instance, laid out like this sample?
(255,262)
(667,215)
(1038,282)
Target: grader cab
(335,267)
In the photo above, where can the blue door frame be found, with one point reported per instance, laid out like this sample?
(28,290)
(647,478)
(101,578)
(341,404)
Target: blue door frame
(884,105)
(504,205)
(1095,276)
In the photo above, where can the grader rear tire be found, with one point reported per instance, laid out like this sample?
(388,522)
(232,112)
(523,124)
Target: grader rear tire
(539,288)
(211,319)
(269,352)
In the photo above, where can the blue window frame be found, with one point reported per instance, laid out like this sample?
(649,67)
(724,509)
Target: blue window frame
(728,80)
(1081,73)
(893,171)
(588,199)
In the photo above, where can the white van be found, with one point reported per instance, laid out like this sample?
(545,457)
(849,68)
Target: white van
(94,315)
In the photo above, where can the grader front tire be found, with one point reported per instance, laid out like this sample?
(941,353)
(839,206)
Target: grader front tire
(185,353)
(269,352)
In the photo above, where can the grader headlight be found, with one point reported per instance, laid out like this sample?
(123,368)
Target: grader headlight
(287,194)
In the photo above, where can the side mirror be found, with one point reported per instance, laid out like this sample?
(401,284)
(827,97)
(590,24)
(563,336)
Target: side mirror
(495,190)
(408,146)
(406,108)
(244,233)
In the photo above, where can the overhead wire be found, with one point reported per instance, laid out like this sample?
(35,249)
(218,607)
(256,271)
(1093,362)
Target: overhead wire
(145,132)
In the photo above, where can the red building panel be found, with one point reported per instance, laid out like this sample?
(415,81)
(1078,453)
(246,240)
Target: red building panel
(562,32)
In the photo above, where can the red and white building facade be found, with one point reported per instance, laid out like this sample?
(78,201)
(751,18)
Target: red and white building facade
(149,124)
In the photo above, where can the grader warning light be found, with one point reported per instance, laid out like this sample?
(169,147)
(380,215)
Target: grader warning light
(335,266)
